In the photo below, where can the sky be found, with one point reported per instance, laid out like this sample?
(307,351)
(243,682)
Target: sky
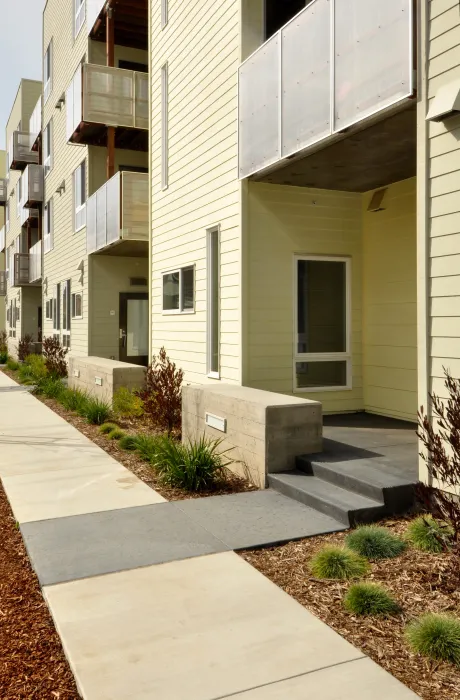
(20,51)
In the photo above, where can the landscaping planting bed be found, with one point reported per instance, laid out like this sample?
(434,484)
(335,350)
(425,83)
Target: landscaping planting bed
(419,582)
(232,483)
(32,662)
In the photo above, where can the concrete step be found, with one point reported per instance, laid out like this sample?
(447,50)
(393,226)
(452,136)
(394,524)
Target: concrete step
(346,506)
(361,477)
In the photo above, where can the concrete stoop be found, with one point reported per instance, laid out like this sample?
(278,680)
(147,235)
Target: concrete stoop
(350,492)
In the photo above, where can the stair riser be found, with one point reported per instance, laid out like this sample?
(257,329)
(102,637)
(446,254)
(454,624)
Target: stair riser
(347,482)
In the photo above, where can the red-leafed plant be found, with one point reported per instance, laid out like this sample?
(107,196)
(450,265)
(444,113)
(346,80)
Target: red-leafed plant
(162,393)
(25,347)
(54,355)
(442,457)
(3,342)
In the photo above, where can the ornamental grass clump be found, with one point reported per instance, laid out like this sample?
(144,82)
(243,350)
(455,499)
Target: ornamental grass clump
(107,428)
(128,443)
(12,365)
(50,387)
(338,563)
(430,535)
(195,466)
(146,446)
(116,434)
(96,411)
(370,599)
(127,403)
(436,636)
(74,400)
(374,542)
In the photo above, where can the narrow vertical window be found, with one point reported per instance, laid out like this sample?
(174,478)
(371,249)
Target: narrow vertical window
(79,16)
(79,190)
(164,13)
(164,126)
(213,292)
(19,196)
(48,71)
(66,313)
(48,147)
(7,217)
(48,226)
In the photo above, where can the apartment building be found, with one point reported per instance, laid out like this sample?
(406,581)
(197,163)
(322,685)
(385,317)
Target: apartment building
(3,192)
(22,231)
(95,146)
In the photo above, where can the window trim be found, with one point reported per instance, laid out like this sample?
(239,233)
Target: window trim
(81,207)
(164,13)
(180,310)
(48,310)
(73,305)
(324,357)
(79,7)
(164,126)
(212,374)
(48,211)
(48,85)
(48,140)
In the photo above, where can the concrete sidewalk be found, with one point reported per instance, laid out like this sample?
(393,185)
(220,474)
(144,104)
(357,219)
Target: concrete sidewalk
(199,623)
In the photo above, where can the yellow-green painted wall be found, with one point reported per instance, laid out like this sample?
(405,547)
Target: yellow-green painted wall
(283,221)
(390,304)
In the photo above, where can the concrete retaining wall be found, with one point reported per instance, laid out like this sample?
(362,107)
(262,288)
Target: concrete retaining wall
(101,377)
(264,430)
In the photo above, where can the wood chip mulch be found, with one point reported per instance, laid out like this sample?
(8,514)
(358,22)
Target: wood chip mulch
(420,582)
(32,662)
(232,483)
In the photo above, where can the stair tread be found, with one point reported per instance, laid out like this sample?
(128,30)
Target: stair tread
(361,469)
(335,495)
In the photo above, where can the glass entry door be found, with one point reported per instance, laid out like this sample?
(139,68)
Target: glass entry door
(134,328)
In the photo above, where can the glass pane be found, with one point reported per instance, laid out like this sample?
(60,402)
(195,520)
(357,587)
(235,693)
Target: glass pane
(321,374)
(187,287)
(137,342)
(171,291)
(214,301)
(321,306)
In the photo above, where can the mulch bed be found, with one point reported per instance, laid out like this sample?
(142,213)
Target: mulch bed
(32,662)
(420,582)
(232,483)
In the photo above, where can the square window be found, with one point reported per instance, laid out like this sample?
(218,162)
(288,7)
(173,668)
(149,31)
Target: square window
(179,290)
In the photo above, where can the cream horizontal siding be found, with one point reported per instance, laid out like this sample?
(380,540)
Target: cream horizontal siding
(62,263)
(284,221)
(201,45)
(443,158)
(2,255)
(390,304)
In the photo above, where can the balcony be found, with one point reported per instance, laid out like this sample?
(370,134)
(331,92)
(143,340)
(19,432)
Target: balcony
(19,153)
(27,268)
(117,216)
(3,191)
(29,217)
(3,283)
(2,239)
(328,73)
(32,186)
(131,22)
(99,97)
(35,126)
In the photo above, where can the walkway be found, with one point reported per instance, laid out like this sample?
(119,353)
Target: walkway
(148,597)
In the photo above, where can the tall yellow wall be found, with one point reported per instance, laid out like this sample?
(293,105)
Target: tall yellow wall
(2,255)
(283,221)
(390,304)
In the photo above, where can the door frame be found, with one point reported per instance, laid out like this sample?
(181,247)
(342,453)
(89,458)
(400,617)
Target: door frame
(124,297)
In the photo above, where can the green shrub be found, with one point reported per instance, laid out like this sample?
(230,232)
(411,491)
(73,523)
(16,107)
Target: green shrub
(435,636)
(116,434)
(338,563)
(107,428)
(429,535)
(50,387)
(12,365)
(127,404)
(146,446)
(128,443)
(3,357)
(370,599)
(194,467)
(374,542)
(95,411)
(25,375)
(37,367)
(74,400)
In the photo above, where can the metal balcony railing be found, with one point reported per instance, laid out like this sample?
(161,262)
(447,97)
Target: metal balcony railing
(25,267)
(3,283)
(333,65)
(19,153)
(3,191)
(35,263)
(35,125)
(118,211)
(28,216)
(108,97)
(32,186)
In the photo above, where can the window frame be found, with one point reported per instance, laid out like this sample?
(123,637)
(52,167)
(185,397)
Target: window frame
(7,216)
(48,146)
(180,310)
(79,8)
(345,356)
(19,188)
(164,13)
(212,373)
(48,212)
(78,209)
(48,310)
(48,80)
(73,305)
(164,126)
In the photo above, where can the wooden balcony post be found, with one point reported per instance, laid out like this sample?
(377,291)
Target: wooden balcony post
(110,50)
